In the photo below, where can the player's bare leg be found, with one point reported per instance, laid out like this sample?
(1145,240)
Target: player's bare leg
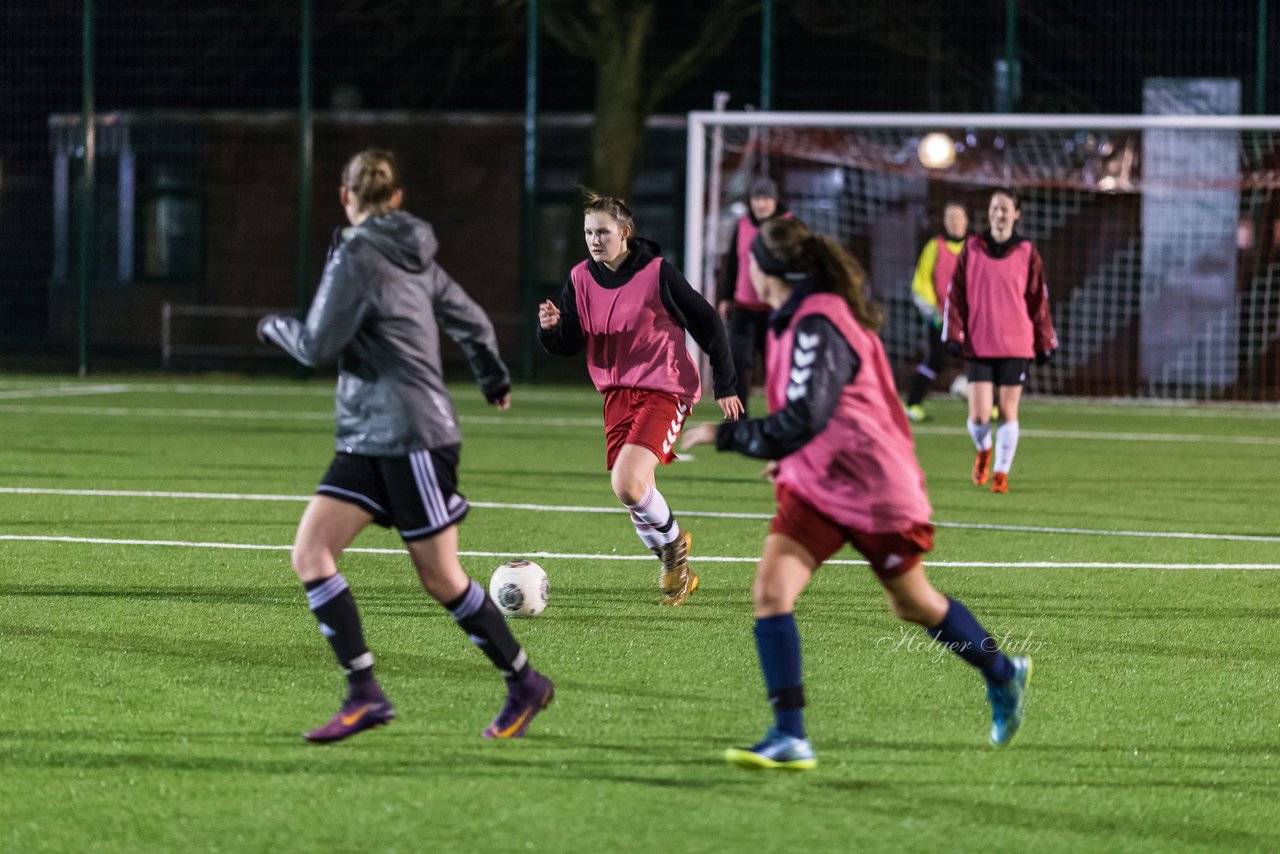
(328,526)
(633,482)
(782,574)
(979,424)
(951,624)
(442,576)
(1006,442)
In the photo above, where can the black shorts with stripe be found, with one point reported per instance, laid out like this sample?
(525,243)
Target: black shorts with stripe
(1006,372)
(416,494)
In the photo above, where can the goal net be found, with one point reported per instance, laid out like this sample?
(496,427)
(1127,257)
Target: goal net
(1160,234)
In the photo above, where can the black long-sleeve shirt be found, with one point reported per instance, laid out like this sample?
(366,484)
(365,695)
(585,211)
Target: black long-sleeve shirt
(823,363)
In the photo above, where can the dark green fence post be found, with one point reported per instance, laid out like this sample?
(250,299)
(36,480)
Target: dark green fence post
(766,55)
(85,244)
(305,153)
(529,201)
(1013,79)
(1260,72)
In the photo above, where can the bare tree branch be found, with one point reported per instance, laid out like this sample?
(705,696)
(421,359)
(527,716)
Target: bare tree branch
(572,28)
(718,29)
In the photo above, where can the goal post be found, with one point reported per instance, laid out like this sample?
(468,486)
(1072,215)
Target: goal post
(1160,233)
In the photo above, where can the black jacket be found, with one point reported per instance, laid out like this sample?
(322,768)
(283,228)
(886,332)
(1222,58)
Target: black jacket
(376,313)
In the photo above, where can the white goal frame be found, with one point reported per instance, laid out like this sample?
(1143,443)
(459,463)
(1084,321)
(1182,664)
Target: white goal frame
(704,143)
(696,266)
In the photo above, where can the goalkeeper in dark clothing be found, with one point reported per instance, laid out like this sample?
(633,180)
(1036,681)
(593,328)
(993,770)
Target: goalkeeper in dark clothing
(929,293)
(745,317)
(376,313)
(998,318)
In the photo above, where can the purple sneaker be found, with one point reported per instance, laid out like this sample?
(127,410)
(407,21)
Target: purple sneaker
(524,700)
(354,716)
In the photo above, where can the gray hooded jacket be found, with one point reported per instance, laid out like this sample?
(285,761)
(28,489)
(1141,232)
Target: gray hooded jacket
(376,313)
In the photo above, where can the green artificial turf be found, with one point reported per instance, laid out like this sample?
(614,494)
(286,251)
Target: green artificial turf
(154,690)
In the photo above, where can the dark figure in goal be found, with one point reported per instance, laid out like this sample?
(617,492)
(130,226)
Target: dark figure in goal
(741,310)
(929,293)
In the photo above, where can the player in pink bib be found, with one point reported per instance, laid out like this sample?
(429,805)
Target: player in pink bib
(629,310)
(741,310)
(997,317)
(844,469)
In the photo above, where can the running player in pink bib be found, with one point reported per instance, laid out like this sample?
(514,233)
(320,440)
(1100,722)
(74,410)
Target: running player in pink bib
(629,310)
(997,317)
(844,468)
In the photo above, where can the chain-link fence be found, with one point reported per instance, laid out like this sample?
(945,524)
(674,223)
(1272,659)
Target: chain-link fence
(219,132)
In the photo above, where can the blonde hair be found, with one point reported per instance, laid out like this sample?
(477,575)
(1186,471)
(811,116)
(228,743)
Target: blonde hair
(372,178)
(614,207)
(821,258)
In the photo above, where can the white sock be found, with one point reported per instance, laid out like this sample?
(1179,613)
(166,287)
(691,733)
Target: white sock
(646,531)
(1006,446)
(654,521)
(981,434)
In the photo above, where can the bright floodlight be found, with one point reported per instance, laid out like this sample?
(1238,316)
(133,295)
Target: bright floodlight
(937,151)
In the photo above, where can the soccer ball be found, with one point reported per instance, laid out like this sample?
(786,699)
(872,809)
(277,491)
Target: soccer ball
(519,588)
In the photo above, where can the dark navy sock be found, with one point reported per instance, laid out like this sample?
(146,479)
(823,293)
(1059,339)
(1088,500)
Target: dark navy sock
(335,609)
(778,642)
(476,615)
(961,633)
(919,387)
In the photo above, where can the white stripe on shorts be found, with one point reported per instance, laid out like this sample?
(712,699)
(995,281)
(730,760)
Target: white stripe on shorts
(424,476)
(364,500)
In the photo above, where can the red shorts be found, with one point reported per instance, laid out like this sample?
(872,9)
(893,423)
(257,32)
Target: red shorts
(890,555)
(650,419)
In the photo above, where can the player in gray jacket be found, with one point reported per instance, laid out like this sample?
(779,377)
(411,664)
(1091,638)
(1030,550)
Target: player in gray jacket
(381,299)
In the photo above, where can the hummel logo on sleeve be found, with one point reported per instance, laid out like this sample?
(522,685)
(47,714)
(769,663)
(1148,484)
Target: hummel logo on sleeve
(802,359)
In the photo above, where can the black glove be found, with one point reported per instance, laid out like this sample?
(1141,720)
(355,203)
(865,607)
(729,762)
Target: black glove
(494,395)
(1044,357)
(955,349)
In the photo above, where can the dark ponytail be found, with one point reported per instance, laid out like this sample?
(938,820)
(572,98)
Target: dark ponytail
(821,258)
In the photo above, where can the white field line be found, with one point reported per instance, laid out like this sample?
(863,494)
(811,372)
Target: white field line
(1117,436)
(267,415)
(104,541)
(1115,406)
(592,422)
(62,391)
(520,393)
(572,508)
(21,389)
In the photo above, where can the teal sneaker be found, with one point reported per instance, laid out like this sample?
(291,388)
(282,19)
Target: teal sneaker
(1008,703)
(777,750)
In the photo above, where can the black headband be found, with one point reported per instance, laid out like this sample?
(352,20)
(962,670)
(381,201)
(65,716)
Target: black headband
(769,263)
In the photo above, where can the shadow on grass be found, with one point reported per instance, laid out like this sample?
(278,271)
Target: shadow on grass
(1086,821)
(363,758)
